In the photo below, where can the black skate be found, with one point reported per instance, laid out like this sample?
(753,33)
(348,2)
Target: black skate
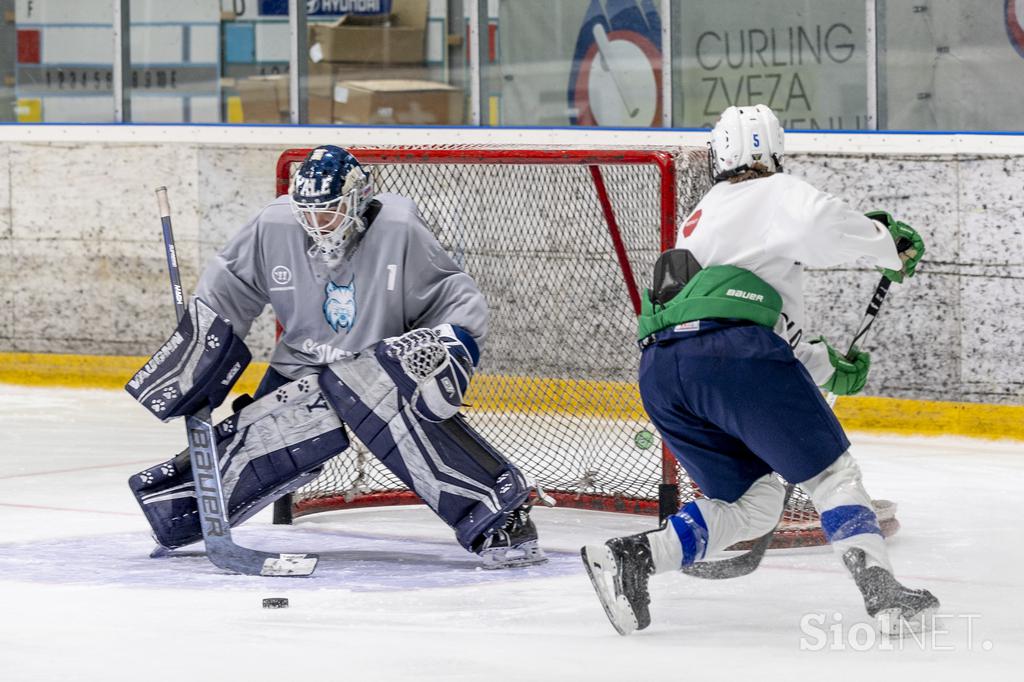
(514,544)
(619,570)
(895,608)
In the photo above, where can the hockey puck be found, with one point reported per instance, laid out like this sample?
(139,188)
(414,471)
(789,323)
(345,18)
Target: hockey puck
(275,603)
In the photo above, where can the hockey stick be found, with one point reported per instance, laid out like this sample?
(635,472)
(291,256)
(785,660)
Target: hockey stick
(870,315)
(206,475)
(737,566)
(743,564)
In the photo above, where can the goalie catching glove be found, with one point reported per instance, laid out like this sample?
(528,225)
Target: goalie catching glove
(432,367)
(909,245)
(851,371)
(194,368)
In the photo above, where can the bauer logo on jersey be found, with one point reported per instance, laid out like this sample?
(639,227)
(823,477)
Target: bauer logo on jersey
(340,305)
(750,296)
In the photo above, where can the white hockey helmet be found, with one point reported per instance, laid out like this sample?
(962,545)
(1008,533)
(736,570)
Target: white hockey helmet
(742,137)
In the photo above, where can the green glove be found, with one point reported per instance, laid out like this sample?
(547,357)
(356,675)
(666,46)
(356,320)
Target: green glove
(851,371)
(909,245)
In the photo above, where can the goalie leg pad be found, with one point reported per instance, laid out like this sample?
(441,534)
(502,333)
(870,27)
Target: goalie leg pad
(268,448)
(471,486)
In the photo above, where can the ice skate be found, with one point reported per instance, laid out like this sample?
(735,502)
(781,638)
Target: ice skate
(514,544)
(619,570)
(895,608)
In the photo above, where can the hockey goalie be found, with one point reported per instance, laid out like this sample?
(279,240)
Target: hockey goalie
(382,334)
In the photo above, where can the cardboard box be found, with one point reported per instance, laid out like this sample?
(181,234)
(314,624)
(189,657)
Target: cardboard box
(323,77)
(264,98)
(413,102)
(396,39)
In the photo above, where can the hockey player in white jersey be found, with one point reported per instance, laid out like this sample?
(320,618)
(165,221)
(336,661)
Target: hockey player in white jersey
(730,377)
(381,333)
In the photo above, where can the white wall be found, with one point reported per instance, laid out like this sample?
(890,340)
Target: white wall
(82,268)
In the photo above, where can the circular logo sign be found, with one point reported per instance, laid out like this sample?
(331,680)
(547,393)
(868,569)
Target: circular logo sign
(281,274)
(616,71)
(1015,24)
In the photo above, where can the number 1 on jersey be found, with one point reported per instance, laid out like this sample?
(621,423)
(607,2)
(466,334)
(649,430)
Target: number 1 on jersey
(392,271)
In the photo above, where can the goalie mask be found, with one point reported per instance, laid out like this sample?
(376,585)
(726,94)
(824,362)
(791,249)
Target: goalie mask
(743,137)
(330,194)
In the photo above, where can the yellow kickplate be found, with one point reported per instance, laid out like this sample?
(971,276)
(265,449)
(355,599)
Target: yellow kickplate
(617,400)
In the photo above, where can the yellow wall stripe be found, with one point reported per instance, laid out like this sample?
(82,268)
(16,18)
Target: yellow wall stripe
(90,371)
(601,399)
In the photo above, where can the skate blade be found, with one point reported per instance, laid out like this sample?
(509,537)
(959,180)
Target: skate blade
(892,623)
(601,569)
(526,554)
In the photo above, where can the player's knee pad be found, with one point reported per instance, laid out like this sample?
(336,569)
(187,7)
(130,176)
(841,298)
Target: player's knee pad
(452,468)
(839,480)
(755,513)
(268,448)
(196,367)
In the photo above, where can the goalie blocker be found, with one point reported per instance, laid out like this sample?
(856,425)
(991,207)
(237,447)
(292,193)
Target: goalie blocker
(194,368)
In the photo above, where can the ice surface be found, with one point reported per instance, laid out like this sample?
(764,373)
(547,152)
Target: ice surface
(396,598)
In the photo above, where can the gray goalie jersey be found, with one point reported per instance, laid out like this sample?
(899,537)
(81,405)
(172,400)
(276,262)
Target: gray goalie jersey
(396,278)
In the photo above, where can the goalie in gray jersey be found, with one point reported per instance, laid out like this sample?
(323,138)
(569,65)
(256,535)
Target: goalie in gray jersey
(381,333)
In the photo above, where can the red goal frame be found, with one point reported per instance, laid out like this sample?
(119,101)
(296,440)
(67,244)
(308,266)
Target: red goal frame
(800,526)
(662,161)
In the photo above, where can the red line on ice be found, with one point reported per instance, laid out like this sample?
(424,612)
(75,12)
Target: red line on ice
(65,509)
(69,471)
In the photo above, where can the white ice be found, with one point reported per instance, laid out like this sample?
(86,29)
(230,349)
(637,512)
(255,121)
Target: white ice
(396,598)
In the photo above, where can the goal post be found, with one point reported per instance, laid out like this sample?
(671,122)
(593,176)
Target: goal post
(561,241)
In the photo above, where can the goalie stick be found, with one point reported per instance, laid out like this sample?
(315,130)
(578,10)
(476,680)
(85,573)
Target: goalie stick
(206,476)
(735,567)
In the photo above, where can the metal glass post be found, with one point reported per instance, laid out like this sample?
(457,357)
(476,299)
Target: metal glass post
(871,47)
(666,63)
(122,62)
(298,59)
(475,11)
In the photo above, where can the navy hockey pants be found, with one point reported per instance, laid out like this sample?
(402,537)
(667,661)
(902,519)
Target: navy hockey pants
(271,381)
(733,403)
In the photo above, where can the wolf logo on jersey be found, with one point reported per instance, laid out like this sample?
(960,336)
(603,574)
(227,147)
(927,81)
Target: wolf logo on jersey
(340,305)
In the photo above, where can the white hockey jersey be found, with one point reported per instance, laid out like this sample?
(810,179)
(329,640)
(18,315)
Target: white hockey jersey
(773,227)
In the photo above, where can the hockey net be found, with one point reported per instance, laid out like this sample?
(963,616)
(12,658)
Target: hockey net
(561,242)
